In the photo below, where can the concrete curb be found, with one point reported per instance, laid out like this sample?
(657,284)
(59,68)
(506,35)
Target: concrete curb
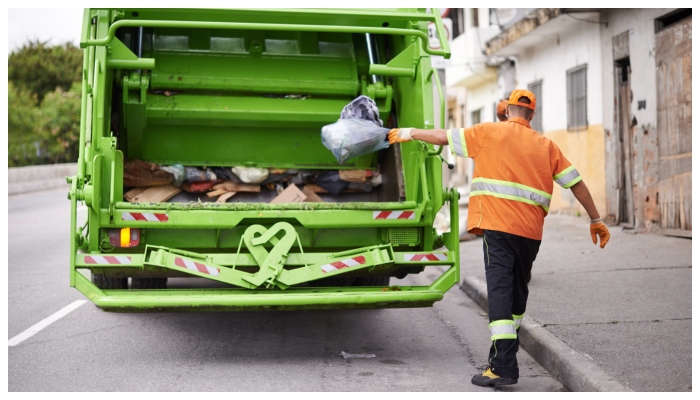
(39,177)
(576,372)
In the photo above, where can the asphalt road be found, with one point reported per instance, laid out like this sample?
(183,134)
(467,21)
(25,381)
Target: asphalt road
(425,349)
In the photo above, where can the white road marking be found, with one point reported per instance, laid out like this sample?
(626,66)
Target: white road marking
(45,322)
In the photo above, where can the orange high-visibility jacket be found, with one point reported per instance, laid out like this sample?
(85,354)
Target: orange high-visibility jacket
(513,174)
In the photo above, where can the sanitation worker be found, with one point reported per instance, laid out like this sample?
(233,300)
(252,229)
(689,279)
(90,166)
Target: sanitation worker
(501,110)
(515,168)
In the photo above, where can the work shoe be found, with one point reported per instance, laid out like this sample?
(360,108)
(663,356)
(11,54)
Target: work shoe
(488,378)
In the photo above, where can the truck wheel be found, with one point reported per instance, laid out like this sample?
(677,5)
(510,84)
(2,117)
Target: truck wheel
(103,282)
(149,283)
(373,281)
(332,282)
(347,281)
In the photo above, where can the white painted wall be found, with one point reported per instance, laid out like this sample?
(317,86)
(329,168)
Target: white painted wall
(467,61)
(482,97)
(549,61)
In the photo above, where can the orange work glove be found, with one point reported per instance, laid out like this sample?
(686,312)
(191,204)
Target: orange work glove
(400,135)
(599,229)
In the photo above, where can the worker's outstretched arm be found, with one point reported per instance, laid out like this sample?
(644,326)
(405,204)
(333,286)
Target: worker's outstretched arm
(432,136)
(598,228)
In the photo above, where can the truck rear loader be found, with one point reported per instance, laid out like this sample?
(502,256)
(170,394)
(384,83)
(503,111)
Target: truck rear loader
(253,88)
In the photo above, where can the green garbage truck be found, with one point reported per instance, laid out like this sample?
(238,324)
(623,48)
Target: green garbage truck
(252,89)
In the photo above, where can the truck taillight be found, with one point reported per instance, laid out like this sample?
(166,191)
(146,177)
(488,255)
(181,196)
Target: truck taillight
(124,237)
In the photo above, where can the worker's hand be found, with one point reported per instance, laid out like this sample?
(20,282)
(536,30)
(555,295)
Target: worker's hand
(400,135)
(599,229)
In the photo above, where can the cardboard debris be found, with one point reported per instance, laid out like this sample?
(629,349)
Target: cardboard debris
(225,196)
(155,194)
(311,197)
(139,173)
(129,196)
(143,164)
(358,176)
(291,194)
(231,186)
(215,193)
(317,189)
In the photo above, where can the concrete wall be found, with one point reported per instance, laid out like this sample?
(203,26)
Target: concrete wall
(583,149)
(639,23)
(39,177)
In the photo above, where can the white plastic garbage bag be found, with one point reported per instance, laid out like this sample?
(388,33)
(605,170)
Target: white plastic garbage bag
(178,172)
(251,175)
(362,107)
(353,137)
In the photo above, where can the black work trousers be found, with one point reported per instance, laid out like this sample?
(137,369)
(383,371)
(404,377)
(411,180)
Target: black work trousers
(508,259)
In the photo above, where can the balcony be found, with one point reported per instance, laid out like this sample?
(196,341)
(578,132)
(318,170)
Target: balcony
(468,67)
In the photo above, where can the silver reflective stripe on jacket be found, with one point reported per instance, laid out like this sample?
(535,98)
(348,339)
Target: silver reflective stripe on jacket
(510,191)
(457,142)
(567,178)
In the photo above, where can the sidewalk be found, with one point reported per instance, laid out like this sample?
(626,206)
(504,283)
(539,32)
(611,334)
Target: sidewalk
(608,319)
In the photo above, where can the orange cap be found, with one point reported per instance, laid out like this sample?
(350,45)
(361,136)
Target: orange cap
(516,94)
(501,107)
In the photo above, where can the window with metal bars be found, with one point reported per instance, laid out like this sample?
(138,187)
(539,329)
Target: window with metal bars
(536,89)
(576,98)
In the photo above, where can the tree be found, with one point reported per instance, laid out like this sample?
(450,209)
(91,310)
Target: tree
(58,125)
(40,69)
(23,142)
(44,104)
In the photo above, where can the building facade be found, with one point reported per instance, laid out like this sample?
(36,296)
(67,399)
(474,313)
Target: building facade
(647,84)
(471,84)
(613,92)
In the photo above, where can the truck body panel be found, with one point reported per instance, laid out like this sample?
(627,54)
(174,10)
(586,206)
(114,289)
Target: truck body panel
(252,88)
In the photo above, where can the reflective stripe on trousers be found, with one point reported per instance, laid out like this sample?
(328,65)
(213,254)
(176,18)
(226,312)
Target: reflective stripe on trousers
(518,319)
(503,329)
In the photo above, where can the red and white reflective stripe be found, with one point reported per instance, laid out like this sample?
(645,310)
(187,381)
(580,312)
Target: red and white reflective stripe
(394,214)
(107,260)
(195,266)
(350,262)
(425,256)
(150,217)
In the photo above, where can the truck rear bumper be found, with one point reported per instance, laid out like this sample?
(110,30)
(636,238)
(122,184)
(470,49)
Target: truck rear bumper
(256,300)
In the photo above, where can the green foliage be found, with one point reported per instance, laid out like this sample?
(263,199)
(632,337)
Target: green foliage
(40,69)
(44,89)
(22,140)
(58,123)
(43,134)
